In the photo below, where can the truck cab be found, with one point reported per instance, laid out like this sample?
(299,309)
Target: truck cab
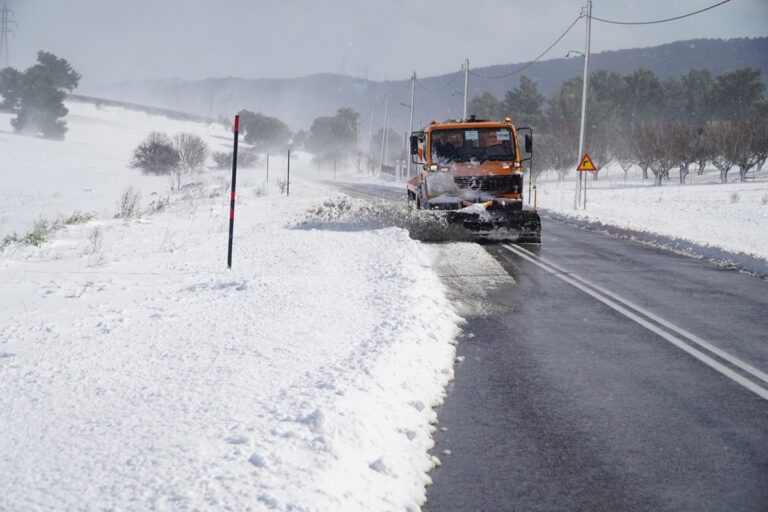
(473,169)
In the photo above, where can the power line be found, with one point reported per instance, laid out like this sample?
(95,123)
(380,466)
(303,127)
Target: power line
(425,104)
(444,87)
(379,100)
(614,22)
(518,70)
(407,86)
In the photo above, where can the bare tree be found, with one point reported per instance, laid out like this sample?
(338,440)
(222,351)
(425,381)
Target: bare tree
(705,148)
(556,149)
(603,139)
(654,148)
(722,156)
(193,151)
(626,161)
(748,145)
(761,163)
(602,154)
(642,157)
(622,152)
(683,140)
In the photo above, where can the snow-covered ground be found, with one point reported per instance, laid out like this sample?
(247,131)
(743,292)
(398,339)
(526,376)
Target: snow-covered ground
(138,373)
(732,216)
(46,179)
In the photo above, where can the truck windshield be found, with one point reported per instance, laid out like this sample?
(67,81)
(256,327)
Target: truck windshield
(472,144)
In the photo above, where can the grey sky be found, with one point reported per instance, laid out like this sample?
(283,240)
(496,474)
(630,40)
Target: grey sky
(109,40)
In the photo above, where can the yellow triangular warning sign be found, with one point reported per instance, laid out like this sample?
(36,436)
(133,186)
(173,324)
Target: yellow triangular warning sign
(586,164)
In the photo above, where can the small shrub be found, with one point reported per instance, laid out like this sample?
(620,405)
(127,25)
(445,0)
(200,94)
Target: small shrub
(197,187)
(95,238)
(222,159)
(245,158)
(157,205)
(79,217)
(221,187)
(39,234)
(93,250)
(260,191)
(37,237)
(764,200)
(43,229)
(129,204)
(282,184)
(10,240)
(156,155)
(735,198)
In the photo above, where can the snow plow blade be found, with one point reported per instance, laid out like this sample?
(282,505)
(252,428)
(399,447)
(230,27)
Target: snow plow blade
(521,226)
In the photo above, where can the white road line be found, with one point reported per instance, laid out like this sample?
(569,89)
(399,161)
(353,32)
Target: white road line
(669,325)
(614,304)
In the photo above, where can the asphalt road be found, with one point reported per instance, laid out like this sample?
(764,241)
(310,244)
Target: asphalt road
(606,375)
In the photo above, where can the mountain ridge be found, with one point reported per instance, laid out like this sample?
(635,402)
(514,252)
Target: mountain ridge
(298,101)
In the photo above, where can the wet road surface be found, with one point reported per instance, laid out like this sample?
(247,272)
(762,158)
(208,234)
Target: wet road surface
(564,403)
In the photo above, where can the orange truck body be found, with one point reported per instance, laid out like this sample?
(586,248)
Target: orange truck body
(473,169)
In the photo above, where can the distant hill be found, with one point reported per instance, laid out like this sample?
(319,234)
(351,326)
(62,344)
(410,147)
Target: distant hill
(298,101)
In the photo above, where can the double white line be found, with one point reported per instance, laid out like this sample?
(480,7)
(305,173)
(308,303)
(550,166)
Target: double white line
(717,359)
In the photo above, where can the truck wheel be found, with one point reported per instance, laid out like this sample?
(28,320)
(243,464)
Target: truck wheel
(531,228)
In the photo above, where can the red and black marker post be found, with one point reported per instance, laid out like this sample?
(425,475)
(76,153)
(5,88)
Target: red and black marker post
(232,194)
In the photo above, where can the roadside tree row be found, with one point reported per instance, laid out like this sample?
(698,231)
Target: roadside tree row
(641,120)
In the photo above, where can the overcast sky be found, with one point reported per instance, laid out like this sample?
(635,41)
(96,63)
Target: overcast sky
(111,40)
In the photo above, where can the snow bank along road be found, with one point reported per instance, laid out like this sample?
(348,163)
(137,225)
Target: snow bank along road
(148,377)
(602,374)
(731,216)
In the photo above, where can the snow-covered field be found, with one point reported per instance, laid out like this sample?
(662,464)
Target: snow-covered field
(137,373)
(732,216)
(46,179)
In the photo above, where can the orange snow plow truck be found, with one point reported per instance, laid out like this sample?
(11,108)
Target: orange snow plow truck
(473,170)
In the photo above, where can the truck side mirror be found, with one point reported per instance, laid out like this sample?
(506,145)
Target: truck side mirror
(414,144)
(526,144)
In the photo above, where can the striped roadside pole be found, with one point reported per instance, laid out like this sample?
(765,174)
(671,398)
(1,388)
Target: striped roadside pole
(232,194)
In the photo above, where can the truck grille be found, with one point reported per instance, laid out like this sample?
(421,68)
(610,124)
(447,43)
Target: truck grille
(507,184)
